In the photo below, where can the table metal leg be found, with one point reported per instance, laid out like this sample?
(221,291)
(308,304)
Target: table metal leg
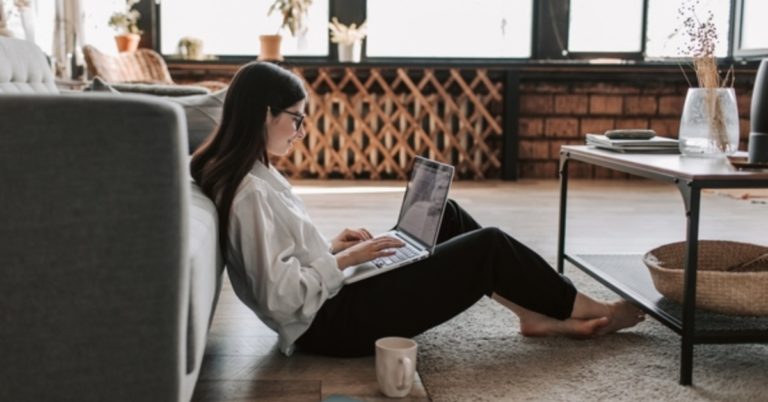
(563,199)
(692,197)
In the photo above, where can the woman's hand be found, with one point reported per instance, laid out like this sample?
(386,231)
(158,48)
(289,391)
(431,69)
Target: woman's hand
(348,238)
(367,250)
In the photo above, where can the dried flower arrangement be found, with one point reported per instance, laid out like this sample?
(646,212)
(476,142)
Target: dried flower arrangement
(346,35)
(294,14)
(701,39)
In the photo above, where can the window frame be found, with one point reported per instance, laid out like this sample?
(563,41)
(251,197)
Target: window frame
(549,39)
(737,17)
(635,56)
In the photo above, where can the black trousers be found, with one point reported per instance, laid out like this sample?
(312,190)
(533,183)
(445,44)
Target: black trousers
(469,262)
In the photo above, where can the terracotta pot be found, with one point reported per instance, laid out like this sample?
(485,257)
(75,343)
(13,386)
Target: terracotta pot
(270,48)
(128,42)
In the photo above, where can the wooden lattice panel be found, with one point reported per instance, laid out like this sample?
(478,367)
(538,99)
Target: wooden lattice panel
(371,122)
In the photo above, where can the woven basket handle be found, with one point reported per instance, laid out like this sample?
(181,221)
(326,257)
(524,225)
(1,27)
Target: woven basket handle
(754,265)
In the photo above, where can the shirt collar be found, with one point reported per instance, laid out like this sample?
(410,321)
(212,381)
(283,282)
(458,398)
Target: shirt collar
(270,175)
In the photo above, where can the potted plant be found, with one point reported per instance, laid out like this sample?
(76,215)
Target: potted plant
(294,14)
(190,48)
(125,23)
(349,39)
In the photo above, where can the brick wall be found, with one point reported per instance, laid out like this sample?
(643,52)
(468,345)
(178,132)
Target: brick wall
(559,112)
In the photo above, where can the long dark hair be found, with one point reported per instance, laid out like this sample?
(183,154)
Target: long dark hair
(229,153)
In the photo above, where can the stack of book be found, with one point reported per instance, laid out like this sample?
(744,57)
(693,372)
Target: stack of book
(656,144)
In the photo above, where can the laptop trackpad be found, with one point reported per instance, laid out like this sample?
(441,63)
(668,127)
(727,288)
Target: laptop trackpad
(360,269)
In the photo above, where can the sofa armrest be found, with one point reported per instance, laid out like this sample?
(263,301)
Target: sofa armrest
(94,280)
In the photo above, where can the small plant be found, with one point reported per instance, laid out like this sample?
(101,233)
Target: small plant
(294,14)
(125,21)
(346,35)
(190,48)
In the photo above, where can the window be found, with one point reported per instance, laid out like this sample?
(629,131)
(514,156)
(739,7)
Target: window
(663,41)
(45,21)
(754,35)
(96,31)
(39,19)
(449,28)
(605,26)
(232,27)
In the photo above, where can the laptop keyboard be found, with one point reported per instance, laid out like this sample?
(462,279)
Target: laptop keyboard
(401,254)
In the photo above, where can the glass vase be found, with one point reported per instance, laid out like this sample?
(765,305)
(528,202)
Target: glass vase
(709,127)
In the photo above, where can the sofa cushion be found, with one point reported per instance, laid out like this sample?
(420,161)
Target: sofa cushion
(203,115)
(206,269)
(99,85)
(203,111)
(24,68)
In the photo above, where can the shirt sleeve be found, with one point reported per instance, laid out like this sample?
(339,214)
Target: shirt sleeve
(287,263)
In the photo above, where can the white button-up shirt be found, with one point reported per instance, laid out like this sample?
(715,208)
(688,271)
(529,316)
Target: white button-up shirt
(279,263)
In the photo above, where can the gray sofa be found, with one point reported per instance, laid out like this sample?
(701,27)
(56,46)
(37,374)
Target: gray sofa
(110,266)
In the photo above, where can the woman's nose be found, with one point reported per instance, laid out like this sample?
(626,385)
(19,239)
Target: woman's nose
(302,131)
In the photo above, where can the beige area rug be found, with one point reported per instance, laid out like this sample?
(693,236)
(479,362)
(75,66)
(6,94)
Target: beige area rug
(479,356)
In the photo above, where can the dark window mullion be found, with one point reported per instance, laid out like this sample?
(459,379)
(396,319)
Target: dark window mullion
(732,30)
(551,29)
(644,30)
(737,13)
(149,23)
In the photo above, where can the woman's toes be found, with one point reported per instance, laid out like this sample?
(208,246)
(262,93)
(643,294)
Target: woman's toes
(623,315)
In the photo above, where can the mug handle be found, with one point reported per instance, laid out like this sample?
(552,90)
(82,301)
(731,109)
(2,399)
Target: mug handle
(405,368)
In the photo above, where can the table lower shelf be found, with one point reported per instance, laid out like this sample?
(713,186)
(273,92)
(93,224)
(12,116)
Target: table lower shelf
(629,277)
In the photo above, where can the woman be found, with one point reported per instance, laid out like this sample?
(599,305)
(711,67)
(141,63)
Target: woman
(291,276)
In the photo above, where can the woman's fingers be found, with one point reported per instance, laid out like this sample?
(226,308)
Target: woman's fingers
(385,253)
(387,242)
(360,234)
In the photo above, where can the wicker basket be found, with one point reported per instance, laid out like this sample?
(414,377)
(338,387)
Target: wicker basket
(732,277)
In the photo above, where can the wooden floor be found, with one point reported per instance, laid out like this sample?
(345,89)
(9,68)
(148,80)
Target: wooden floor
(242,362)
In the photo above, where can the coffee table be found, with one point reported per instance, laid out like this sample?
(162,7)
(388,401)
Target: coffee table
(627,275)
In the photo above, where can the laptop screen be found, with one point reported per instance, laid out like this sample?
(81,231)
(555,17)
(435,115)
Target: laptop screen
(425,199)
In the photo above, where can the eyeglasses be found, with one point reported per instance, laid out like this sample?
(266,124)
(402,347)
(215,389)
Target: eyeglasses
(299,118)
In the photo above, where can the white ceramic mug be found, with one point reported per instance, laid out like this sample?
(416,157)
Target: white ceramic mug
(395,365)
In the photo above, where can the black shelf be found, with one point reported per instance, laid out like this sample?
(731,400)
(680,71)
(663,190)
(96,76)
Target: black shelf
(626,275)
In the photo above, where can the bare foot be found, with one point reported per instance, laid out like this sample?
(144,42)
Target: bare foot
(592,319)
(623,314)
(539,326)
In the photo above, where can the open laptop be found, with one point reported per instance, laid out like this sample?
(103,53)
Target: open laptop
(419,221)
